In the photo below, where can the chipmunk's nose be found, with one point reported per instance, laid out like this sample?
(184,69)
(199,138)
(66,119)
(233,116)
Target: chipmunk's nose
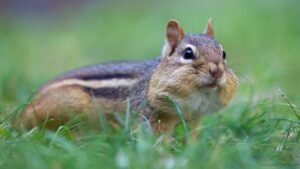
(216,70)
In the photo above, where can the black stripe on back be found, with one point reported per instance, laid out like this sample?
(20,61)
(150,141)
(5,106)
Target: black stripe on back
(109,92)
(106,76)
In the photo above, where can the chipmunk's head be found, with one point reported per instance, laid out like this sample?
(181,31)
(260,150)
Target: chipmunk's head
(200,52)
(194,67)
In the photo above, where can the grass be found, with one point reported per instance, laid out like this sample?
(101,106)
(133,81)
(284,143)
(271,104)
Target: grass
(260,128)
(245,135)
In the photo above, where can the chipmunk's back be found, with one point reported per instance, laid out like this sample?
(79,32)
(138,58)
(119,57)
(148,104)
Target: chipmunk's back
(91,89)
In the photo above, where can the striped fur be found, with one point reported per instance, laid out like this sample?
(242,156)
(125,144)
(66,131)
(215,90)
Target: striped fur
(201,84)
(88,91)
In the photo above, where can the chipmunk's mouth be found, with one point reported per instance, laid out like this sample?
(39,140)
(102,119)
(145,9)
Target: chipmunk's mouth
(211,85)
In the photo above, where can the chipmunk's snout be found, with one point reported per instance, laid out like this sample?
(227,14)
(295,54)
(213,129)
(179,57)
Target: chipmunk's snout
(216,70)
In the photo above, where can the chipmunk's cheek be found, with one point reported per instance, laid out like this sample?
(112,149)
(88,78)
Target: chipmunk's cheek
(203,81)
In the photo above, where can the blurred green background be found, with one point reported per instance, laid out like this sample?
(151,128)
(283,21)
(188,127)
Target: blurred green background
(41,39)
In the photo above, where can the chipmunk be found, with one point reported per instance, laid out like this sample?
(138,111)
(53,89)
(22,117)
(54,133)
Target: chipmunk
(192,70)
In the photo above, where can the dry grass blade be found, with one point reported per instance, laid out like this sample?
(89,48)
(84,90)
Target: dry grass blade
(293,107)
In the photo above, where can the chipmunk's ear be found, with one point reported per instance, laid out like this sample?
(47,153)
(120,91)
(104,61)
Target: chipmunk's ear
(174,35)
(209,29)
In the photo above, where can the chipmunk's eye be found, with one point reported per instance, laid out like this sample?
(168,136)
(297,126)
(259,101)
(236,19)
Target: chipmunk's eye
(224,54)
(188,54)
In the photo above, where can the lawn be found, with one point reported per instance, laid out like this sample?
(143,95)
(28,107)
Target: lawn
(259,129)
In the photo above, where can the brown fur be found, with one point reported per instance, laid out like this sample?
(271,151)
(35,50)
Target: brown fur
(205,82)
(179,81)
(58,106)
